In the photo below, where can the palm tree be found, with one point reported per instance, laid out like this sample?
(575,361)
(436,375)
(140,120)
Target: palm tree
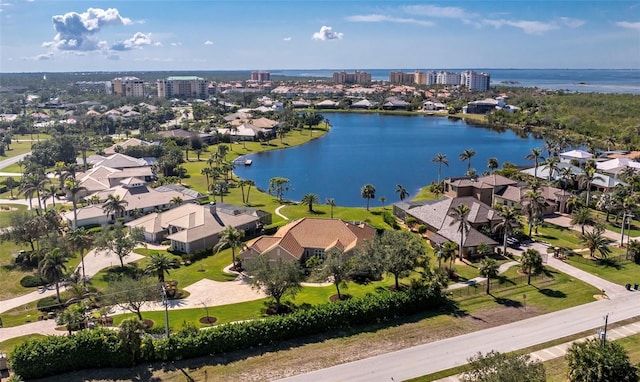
(508,224)
(534,155)
(633,251)
(114,205)
(596,241)
(459,216)
(587,177)
(531,260)
(582,217)
(52,267)
(401,191)
(533,207)
(448,252)
(81,240)
(383,199)
(250,183)
(441,159)
(176,201)
(50,192)
(488,268)
(10,183)
(368,192)
(466,155)
(331,203)
(309,199)
(73,188)
(492,164)
(232,238)
(551,164)
(159,264)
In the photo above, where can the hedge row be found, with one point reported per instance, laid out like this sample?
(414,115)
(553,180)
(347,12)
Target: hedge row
(53,355)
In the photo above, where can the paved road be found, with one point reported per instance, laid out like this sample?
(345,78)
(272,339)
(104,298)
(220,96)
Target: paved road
(8,162)
(452,352)
(564,220)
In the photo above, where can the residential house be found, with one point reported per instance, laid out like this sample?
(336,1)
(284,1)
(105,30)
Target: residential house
(580,156)
(617,165)
(393,103)
(100,178)
(441,227)
(123,145)
(118,161)
(307,237)
(327,104)
(364,104)
(192,227)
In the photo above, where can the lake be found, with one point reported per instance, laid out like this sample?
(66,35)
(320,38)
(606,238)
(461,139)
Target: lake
(383,150)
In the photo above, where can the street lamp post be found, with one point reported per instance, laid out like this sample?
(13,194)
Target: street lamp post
(165,302)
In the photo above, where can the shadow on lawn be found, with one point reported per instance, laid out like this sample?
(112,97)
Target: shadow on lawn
(552,293)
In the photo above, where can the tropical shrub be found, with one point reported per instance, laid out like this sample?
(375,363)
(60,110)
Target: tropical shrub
(390,220)
(30,281)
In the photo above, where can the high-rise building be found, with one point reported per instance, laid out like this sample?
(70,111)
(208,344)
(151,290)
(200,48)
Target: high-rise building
(260,76)
(183,87)
(128,86)
(351,78)
(475,81)
(448,78)
(400,77)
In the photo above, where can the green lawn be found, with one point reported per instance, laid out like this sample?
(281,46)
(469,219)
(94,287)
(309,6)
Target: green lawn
(424,194)
(6,210)
(558,236)
(7,346)
(373,217)
(614,226)
(622,272)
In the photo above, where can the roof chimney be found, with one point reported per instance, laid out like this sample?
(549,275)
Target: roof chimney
(212,208)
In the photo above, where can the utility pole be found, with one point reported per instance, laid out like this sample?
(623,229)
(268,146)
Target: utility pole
(604,333)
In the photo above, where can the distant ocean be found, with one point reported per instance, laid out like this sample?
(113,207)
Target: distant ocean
(575,80)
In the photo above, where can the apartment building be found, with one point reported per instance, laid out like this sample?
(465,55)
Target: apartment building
(351,78)
(475,81)
(400,77)
(424,78)
(448,78)
(128,86)
(182,87)
(260,76)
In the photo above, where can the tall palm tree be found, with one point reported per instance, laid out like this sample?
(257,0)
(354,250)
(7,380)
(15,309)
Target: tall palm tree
(448,252)
(368,192)
(81,240)
(531,260)
(551,164)
(488,268)
(401,191)
(309,199)
(441,159)
(586,179)
(114,205)
(50,192)
(534,155)
(250,183)
(466,155)
(232,238)
(508,224)
(459,216)
(176,201)
(596,241)
(533,207)
(73,188)
(331,203)
(52,267)
(159,264)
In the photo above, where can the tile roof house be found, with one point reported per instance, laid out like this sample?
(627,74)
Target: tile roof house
(193,227)
(434,214)
(117,161)
(123,145)
(307,237)
(100,178)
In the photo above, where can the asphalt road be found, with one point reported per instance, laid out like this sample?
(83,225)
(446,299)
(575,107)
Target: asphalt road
(445,354)
(12,160)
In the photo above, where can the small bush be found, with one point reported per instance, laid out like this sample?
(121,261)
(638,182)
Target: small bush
(31,281)
(390,220)
(49,304)
(422,228)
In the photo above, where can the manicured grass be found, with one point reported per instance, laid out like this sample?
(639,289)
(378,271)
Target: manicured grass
(373,217)
(614,226)
(425,194)
(10,273)
(5,214)
(558,236)
(621,272)
(8,345)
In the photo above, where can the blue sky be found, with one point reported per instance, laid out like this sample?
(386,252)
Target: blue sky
(128,35)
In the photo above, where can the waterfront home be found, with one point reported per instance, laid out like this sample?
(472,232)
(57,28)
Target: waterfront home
(555,198)
(580,156)
(100,178)
(327,104)
(617,165)
(434,106)
(393,103)
(307,237)
(118,161)
(364,104)
(441,227)
(192,227)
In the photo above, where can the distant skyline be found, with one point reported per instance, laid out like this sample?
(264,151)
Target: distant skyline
(150,35)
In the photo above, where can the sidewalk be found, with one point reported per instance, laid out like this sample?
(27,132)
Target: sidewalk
(558,351)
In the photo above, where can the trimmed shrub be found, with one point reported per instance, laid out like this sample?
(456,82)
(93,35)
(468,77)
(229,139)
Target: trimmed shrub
(49,304)
(390,220)
(30,281)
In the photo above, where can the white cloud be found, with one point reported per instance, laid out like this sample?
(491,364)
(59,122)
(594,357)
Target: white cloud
(40,57)
(76,31)
(176,43)
(527,26)
(570,22)
(326,33)
(286,39)
(208,42)
(437,11)
(629,25)
(157,43)
(377,18)
(137,41)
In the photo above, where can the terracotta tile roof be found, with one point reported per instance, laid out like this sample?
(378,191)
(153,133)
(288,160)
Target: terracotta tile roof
(497,180)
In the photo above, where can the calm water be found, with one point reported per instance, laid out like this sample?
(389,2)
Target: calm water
(578,80)
(382,150)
